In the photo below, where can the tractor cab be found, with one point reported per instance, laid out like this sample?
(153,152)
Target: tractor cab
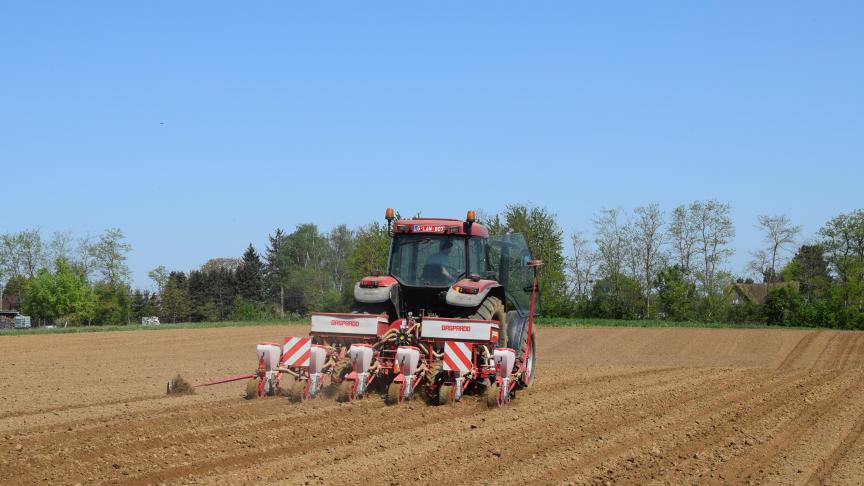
(448,267)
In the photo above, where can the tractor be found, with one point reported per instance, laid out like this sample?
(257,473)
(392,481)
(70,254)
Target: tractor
(452,316)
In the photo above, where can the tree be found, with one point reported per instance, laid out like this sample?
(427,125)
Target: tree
(60,246)
(647,242)
(780,234)
(783,306)
(617,298)
(212,291)
(612,240)
(676,294)
(684,235)
(109,254)
(340,242)
(493,223)
(113,303)
(715,230)
(175,298)
(810,269)
(540,228)
(85,250)
(371,247)
(144,304)
(275,274)
(760,265)
(306,258)
(23,253)
(159,276)
(843,241)
(62,295)
(250,276)
(581,266)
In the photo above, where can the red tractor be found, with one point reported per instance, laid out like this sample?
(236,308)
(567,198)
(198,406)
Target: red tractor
(454,315)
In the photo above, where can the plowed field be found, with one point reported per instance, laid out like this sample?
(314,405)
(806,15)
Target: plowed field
(610,406)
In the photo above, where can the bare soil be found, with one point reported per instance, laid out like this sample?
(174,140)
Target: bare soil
(609,406)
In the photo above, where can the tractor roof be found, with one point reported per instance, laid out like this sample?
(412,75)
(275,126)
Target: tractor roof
(439,226)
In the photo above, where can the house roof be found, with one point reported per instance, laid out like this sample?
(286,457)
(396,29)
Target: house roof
(757,293)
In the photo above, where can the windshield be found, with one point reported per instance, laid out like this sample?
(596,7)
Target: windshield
(428,260)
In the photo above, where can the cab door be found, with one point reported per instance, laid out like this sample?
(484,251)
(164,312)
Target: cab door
(508,259)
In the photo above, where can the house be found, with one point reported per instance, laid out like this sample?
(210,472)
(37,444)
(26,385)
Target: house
(754,293)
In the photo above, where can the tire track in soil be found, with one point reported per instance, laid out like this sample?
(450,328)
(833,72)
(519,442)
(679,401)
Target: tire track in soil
(711,429)
(473,452)
(466,451)
(855,350)
(555,453)
(755,463)
(798,351)
(612,458)
(372,435)
(822,474)
(830,345)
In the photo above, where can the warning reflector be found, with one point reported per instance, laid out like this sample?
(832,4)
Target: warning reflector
(457,356)
(296,351)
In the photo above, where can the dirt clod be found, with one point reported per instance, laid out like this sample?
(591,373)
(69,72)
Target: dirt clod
(179,386)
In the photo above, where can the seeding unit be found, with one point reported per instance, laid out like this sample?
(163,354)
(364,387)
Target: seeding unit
(453,316)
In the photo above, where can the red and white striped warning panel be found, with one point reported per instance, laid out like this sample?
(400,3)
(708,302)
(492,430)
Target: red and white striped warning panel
(296,351)
(457,356)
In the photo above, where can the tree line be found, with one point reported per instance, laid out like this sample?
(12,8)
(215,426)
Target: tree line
(641,264)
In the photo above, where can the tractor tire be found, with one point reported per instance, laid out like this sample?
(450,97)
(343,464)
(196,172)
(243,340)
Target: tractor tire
(518,336)
(527,378)
(251,389)
(492,309)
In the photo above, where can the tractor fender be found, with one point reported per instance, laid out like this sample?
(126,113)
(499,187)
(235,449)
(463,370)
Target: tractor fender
(372,290)
(456,295)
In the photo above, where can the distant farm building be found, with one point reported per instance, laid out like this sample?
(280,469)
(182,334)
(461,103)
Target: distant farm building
(754,293)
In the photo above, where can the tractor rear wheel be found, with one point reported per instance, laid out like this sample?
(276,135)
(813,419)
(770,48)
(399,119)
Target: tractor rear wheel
(492,309)
(527,376)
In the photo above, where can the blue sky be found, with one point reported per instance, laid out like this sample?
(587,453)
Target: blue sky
(198,127)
